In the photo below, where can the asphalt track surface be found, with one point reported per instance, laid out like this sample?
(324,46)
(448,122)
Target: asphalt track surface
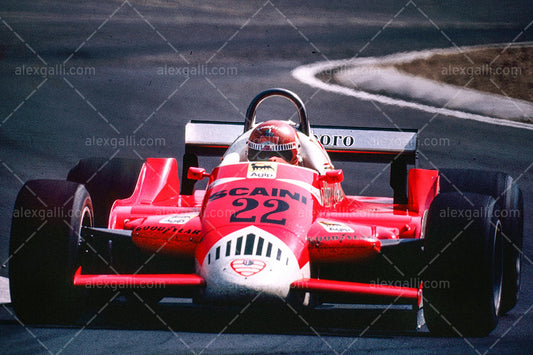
(232,52)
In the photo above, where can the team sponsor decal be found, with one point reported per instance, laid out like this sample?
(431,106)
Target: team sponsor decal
(242,191)
(247,267)
(355,139)
(329,238)
(336,227)
(262,170)
(336,140)
(164,230)
(181,218)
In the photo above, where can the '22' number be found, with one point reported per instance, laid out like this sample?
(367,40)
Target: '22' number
(251,204)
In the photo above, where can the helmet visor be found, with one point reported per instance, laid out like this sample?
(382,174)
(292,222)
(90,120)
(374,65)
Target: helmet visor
(265,155)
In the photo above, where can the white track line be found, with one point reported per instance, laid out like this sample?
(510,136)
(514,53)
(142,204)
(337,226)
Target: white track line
(4,290)
(307,74)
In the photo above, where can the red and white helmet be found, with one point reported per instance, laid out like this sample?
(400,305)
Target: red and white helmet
(274,141)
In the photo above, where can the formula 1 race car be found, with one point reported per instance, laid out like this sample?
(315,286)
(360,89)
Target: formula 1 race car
(266,230)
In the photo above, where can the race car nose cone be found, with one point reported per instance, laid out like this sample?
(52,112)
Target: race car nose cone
(249,263)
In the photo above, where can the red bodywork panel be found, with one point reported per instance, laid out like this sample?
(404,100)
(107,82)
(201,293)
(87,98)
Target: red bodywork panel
(156,193)
(313,218)
(169,235)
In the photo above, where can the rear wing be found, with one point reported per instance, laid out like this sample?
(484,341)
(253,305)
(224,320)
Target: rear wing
(207,138)
(384,145)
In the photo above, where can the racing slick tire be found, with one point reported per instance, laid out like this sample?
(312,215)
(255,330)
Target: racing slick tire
(106,180)
(464,271)
(509,197)
(46,248)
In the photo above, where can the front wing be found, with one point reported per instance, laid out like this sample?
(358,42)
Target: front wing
(379,292)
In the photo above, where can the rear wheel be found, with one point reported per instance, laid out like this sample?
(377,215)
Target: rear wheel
(46,249)
(464,274)
(510,201)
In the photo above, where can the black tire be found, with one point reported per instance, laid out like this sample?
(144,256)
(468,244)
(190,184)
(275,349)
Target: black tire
(509,197)
(513,227)
(46,248)
(106,180)
(464,272)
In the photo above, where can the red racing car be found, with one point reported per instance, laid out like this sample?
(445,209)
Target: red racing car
(272,224)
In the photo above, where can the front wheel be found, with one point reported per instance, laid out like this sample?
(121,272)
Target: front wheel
(46,248)
(511,206)
(463,278)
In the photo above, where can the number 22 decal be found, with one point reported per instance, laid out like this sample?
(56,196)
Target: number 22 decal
(251,204)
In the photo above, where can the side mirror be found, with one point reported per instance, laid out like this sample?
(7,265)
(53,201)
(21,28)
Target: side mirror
(333,176)
(195,173)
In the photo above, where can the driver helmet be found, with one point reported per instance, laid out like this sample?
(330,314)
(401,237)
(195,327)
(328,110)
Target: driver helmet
(275,141)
